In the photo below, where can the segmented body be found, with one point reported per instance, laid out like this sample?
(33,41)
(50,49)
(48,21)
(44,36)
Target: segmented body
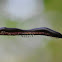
(35,31)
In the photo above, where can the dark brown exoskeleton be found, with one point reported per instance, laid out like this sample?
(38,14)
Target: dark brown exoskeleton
(35,31)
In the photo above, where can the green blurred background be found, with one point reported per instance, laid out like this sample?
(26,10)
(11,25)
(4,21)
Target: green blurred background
(27,14)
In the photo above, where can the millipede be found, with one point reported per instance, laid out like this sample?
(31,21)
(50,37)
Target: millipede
(36,31)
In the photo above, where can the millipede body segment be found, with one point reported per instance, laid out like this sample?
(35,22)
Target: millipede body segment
(36,31)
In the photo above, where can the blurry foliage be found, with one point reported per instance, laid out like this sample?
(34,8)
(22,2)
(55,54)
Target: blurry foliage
(55,46)
(55,5)
(11,24)
(53,8)
(3,1)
